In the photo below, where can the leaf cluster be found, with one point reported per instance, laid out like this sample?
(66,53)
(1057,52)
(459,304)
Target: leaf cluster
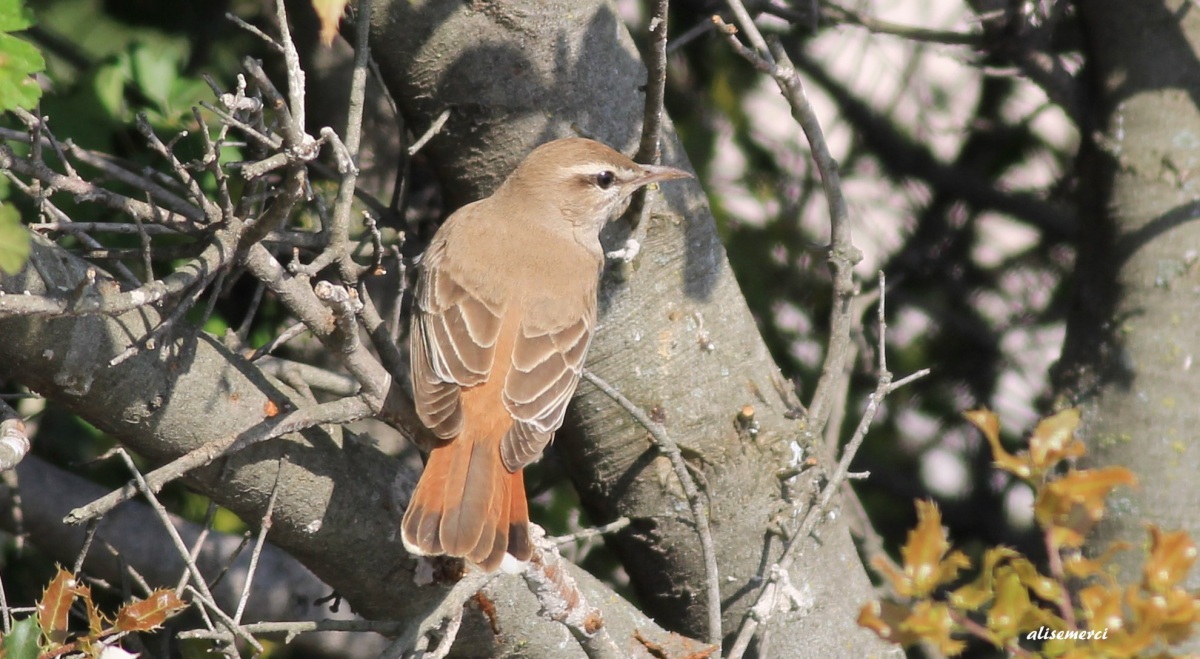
(19,60)
(1079,609)
(48,632)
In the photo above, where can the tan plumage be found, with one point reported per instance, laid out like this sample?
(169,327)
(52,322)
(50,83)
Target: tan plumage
(505,309)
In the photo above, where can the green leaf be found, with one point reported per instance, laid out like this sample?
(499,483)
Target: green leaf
(153,72)
(22,641)
(14,241)
(13,16)
(109,85)
(18,61)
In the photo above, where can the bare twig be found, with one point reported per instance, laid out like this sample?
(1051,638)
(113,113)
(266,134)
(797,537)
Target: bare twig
(293,330)
(298,295)
(295,73)
(339,411)
(264,528)
(843,255)
(338,249)
(151,340)
(415,638)
(656,82)
(562,601)
(434,129)
(835,13)
(612,527)
(201,586)
(383,339)
(649,147)
(292,628)
(88,537)
(345,305)
(266,38)
(699,514)
(5,612)
(86,191)
(14,442)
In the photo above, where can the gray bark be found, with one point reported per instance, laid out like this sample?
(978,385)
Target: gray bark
(1132,337)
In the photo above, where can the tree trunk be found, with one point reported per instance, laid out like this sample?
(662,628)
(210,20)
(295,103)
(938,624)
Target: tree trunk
(1131,338)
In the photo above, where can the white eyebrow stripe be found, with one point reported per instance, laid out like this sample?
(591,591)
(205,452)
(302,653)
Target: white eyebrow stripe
(589,168)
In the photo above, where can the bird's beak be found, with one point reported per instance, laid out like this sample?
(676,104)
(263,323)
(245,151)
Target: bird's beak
(656,173)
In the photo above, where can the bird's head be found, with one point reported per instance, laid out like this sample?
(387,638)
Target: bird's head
(587,181)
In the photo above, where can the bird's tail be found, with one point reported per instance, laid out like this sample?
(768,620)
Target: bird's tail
(468,504)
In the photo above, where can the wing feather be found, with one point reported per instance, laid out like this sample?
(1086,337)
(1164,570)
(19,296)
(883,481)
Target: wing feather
(546,363)
(453,344)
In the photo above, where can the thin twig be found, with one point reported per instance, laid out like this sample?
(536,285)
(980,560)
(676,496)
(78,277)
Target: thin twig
(161,512)
(210,515)
(295,72)
(843,255)
(88,536)
(339,411)
(264,528)
(699,514)
(5,612)
(293,330)
(14,440)
(612,527)
(656,82)
(416,635)
(293,628)
(649,147)
(434,129)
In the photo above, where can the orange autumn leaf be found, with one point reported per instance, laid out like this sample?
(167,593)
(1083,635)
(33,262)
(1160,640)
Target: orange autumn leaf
(55,605)
(1077,565)
(989,425)
(1053,440)
(981,590)
(1171,558)
(926,562)
(1012,604)
(1102,606)
(884,619)
(1070,505)
(150,612)
(1041,585)
(932,622)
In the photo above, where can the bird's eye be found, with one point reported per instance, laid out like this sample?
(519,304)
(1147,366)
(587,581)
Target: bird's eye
(605,179)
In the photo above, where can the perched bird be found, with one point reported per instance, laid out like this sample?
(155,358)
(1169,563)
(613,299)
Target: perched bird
(504,313)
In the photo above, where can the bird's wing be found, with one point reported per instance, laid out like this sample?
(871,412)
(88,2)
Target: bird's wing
(453,342)
(547,358)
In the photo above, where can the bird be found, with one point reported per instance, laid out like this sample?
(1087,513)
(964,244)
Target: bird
(503,315)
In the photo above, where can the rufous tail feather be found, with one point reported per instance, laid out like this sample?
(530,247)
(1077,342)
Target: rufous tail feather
(468,505)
